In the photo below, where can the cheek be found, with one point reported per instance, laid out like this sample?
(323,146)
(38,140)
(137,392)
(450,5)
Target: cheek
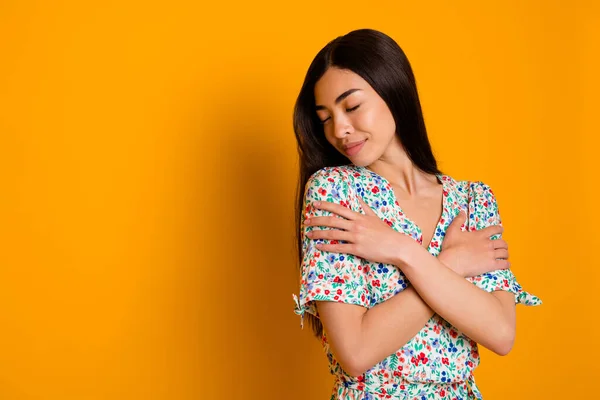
(378,122)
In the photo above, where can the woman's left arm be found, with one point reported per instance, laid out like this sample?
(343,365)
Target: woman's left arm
(487,318)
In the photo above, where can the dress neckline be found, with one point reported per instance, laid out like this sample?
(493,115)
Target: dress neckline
(443,217)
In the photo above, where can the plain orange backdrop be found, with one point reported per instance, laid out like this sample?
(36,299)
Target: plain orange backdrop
(148,169)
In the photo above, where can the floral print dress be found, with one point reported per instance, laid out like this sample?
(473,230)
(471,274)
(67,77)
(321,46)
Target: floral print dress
(439,361)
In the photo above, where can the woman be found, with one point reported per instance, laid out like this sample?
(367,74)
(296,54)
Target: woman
(398,316)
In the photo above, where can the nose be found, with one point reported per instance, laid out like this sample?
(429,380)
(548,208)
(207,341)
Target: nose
(342,127)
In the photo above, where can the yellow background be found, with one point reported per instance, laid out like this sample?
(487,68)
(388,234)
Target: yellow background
(148,169)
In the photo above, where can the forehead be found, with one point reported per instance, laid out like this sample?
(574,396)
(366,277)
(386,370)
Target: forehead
(336,81)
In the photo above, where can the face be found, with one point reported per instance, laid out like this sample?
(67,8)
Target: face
(356,121)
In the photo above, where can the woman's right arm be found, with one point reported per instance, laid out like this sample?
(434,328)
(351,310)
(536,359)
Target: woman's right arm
(360,337)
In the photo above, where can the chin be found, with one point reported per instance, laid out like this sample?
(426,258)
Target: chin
(359,164)
(361,161)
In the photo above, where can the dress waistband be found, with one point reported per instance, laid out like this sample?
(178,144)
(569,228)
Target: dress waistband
(400,388)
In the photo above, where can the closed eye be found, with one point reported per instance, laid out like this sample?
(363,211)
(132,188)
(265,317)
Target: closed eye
(347,110)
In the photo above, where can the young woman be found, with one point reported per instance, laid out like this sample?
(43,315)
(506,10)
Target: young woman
(399,317)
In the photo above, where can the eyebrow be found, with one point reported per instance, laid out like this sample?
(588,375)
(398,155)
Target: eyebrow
(339,98)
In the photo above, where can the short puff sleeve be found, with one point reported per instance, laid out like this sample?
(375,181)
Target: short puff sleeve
(483,212)
(326,276)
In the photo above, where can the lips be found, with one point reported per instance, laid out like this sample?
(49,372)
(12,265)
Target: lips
(352,149)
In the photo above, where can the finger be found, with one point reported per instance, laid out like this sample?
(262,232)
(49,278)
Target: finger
(500,244)
(330,234)
(459,220)
(501,253)
(368,210)
(336,209)
(492,230)
(331,222)
(502,264)
(336,248)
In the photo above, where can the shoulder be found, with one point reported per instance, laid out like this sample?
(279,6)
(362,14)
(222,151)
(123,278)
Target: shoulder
(333,176)
(457,191)
(477,196)
(483,207)
(478,200)
(482,195)
(343,183)
(472,190)
(330,184)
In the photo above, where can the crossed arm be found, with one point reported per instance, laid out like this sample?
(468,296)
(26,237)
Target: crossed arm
(361,337)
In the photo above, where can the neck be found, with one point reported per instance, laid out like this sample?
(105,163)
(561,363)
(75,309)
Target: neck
(401,172)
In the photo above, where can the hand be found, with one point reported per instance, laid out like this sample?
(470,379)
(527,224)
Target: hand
(473,253)
(366,235)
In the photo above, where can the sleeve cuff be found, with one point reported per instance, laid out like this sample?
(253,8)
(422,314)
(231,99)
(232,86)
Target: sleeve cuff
(505,280)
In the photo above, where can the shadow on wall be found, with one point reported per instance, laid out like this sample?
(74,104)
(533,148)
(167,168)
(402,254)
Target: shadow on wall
(258,342)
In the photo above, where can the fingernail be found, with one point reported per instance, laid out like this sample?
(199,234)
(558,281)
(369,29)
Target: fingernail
(317,203)
(307,221)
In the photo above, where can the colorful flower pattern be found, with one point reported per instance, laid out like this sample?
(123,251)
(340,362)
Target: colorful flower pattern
(439,361)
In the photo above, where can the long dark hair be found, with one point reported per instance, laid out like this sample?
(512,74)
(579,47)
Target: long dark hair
(379,60)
